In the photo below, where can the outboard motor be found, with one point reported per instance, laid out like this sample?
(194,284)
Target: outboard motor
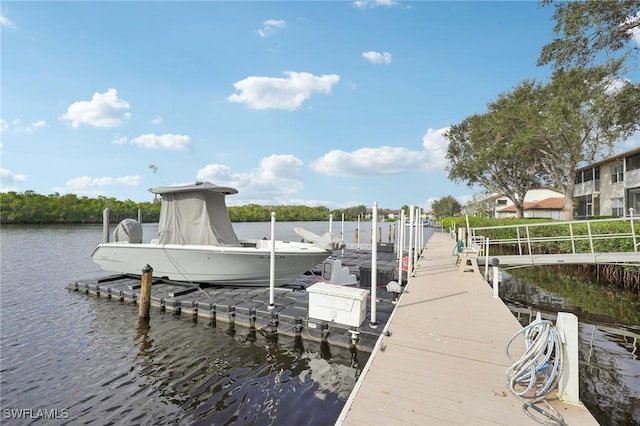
(128,231)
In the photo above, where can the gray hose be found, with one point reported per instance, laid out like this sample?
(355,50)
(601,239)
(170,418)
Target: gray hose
(537,372)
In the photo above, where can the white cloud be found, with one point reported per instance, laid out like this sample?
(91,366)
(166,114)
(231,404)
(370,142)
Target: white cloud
(635,31)
(370,4)
(166,141)
(377,57)
(277,177)
(13,177)
(33,126)
(385,160)
(156,121)
(632,142)
(118,139)
(84,182)
(270,26)
(38,124)
(8,179)
(263,93)
(103,110)
(6,23)
(435,145)
(15,124)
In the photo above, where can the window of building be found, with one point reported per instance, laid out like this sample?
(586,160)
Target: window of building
(588,175)
(617,173)
(633,162)
(502,202)
(584,207)
(617,207)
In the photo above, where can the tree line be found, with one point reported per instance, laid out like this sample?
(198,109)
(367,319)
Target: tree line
(539,133)
(30,207)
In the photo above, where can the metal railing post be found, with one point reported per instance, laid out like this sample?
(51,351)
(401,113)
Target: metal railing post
(519,242)
(526,227)
(633,230)
(593,253)
(573,240)
(486,259)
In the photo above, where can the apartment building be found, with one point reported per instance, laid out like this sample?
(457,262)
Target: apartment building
(609,187)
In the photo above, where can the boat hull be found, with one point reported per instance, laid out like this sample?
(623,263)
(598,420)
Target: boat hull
(248,265)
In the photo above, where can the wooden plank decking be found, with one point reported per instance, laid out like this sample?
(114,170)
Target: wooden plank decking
(444,362)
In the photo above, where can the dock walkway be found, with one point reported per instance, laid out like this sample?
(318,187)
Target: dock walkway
(442,360)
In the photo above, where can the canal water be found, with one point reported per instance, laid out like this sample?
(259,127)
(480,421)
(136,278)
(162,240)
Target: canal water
(71,358)
(609,335)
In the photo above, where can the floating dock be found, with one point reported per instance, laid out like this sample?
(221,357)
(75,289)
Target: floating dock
(249,306)
(442,359)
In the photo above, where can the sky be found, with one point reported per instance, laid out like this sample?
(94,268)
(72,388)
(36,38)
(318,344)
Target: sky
(324,103)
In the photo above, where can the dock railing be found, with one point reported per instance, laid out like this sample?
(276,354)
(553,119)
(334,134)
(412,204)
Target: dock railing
(558,237)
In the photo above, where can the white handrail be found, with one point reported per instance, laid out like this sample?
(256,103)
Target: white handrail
(519,240)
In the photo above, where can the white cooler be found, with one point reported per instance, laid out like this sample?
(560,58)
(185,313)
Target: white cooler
(336,303)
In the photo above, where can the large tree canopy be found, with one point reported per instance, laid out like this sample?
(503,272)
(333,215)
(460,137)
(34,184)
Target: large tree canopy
(496,149)
(539,134)
(587,29)
(583,114)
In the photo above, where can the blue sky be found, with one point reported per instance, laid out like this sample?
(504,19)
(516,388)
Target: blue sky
(317,103)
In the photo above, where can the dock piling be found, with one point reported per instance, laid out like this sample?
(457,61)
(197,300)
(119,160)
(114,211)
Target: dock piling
(144,301)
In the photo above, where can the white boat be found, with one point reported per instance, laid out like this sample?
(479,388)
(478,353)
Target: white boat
(196,243)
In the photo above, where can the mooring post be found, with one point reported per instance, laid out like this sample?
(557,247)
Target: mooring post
(342,234)
(569,385)
(105,225)
(495,262)
(144,301)
(374,268)
(272,263)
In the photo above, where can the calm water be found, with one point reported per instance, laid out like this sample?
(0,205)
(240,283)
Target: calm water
(609,345)
(86,360)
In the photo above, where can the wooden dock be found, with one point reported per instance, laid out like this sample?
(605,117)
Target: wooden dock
(442,359)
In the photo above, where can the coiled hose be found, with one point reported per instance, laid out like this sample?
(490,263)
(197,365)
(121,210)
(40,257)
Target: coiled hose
(537,371)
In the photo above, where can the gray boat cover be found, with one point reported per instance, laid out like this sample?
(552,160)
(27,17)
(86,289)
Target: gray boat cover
(128,231)
(195,214)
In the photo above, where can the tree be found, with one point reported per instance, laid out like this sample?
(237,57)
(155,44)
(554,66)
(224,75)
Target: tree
(446,206)
(481,204)
(581,117)
(587,29)
(585,113)
(495,149)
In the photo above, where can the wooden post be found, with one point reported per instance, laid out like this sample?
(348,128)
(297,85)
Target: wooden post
(144,301)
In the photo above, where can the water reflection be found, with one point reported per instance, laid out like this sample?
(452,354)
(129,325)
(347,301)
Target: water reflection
(94,358)
(609,348)
(222,374)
